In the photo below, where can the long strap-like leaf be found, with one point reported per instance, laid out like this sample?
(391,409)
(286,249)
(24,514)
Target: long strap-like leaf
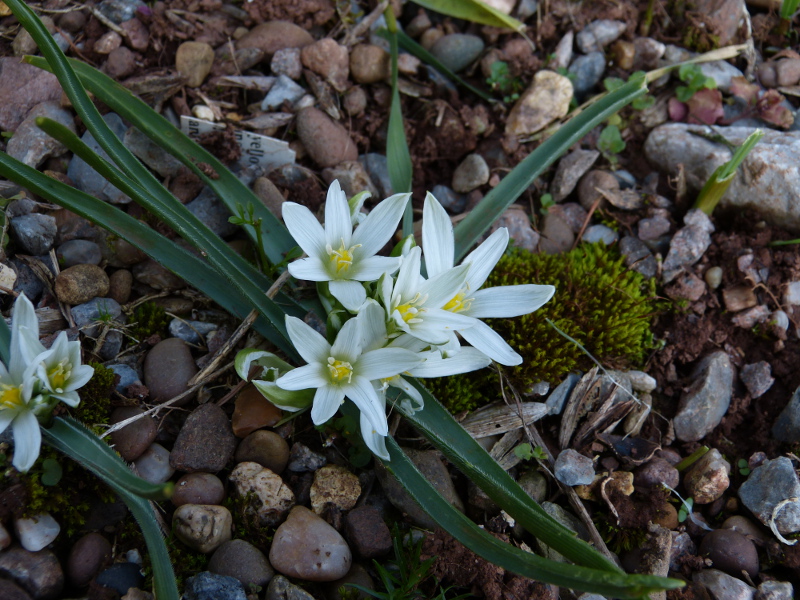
(609,583)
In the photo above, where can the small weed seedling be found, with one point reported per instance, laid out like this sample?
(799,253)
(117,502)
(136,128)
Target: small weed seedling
(694,79)
(501,81)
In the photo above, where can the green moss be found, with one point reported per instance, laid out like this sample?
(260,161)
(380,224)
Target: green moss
(148,319)
(93,409)
(598,302)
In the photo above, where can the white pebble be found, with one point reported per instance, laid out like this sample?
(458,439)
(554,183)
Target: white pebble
(713,277)
(201,111)
(792,294)
(36,532)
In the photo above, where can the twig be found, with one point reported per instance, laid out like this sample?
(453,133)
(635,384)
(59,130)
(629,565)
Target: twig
(588,218)
(363,26)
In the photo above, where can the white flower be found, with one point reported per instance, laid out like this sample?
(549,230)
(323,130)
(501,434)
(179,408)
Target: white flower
(338,255)
(61,372)
(414,304)
(470,300)
(344,370)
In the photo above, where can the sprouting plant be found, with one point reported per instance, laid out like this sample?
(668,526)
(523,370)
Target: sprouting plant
(245,215)
(685,509)
(694,79)
(640,103)
(546,201)
(526,452)
(610,142)
(501,80)
(743,466)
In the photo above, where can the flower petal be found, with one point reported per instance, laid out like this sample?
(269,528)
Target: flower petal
(310,268)
(70,398)
(363,395)
(347,345)
(508,301)
(408,277)
(310,344)
(302,378)
(437,237)
(350,293)
(327,401)
(465,360)
(305,228)
(80,377)
(338,226)
(380,224)
(441,289)
(6,416)
(485,257)
(386,362)
(437,326)
(372,267)
(25,344)
(374,441)
(414,401)
(27,441)
(488,341)
(373,326)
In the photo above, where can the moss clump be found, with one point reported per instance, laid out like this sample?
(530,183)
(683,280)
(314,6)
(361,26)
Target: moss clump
(95,402)
(598,302)
(148,319)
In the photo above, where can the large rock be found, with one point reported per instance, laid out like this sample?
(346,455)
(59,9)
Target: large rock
(30,144)
(768,180)
(771,493)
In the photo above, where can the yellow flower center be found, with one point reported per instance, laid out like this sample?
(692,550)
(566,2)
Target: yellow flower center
(458,302)
(341,259)
(409,311)
(340,370)
(59,375)
(11,397)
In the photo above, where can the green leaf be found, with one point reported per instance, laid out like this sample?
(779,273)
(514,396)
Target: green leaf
(609,583)
(5,341)
(511,187)
(475,11)
(51,472)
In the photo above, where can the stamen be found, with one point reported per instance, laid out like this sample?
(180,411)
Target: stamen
(11,396)
(342,258)
(340,370)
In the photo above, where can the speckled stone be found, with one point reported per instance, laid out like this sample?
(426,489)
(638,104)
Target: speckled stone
(242,560)
(334,486)
(132,440)
(205,442)
(87,557)
(81,283)
(168,367)
(275,496)
(198,488)
(202,527)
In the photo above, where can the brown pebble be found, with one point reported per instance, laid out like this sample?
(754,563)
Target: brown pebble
(120,283)
(87,557)
(132,440)
(198,488)
(266,448)
(81,283)
(730,551)
(253,411)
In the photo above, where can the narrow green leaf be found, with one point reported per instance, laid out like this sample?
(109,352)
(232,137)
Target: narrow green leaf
(475,11)
(5,341)
(396,144)
(609,583)
(511,187)
(73,439)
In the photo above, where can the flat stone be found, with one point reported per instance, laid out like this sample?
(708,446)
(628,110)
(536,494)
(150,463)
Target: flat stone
(151,154)
(567,519)
(638,256)
(773,484)
(587,71)
(168,367)
(149,272)
(597,233)
(546,100)
(242,560)
(721,585)
(707,400)
(569,171)
(275,496)
(192,451)
(78,252)
(573,468)
(731,552)
(212,212)
(211,586)
(303,460)
(283,90)
(707,479)
(33,146)
(86,178)
(334,487)
(757,378)
(307,547)
(35,233)
(23,86)
(739,298)
(689,244)
(328,143)
(775,590)
(202,527)
(286,61)
(38,573)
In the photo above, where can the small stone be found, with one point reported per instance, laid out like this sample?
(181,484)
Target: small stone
(193,60)
(739,298)
(283,90)
(587,71)
(281,588)
(534,484)
(650,229)
(569,171)
(641,381)
(787,425)
(430,37)
(598,34)
(275,496)
(191,332)
(253,411)
(120,283)
(334,487)
(137,35)
(656,472)
(367,532)
(34,233)
(562,55)
(168,367)
(269,195)
(109,41)
(357,575)
(624,54)
(81,283)
(747,528)
(707,479)
(713,277)
(275,35)
(243,561)
(687,286)
(450,200)
(121,63)
(599,233)
(638,256)
(86,178)
(775,590)
(457,50)
(286,61)
(72,21)
(153,155)
(596,185)
(329,59)
(328,143)
(87,557)
(266,448)
(419,24)
(38,573)
(688,244)
(153,464)
(198,488)
(572,468)
(369,63)
(36,532)
(355,101)
(192,452)
(352,176)
(211,586)
(520,230)
(757,378)
(472,173)
(546,100)
(648,53)
(212,212)
(771,493)
(707,400)
(720,585)
(730,551)
(202,527)
(78,252)
(791,294)
(556,234)
(307,547)
(33,146)
(567,519)
(132,440)
(304,460)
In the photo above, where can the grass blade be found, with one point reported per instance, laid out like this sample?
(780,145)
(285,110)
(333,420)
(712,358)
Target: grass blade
(511,187)
(475,11)
(614,584)
(5,341)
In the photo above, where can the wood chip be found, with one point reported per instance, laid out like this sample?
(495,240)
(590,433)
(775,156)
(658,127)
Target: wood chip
(500,418)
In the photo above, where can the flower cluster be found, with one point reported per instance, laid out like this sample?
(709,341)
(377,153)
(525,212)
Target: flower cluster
(388,318)
(34,380)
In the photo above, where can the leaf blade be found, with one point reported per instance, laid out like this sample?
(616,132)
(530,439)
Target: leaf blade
(475,11)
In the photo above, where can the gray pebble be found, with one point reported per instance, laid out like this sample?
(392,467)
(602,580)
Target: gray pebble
(243,561)
(286,61)
(520,230)
(600,233)
(33,146)
(38,573)
(638,256)
(377,167)
(757,378)
(587,71)
(121,577)
(450,200)
(775,590)
(556,234)
(598,34)
(787,425)
(283,90)
(555,402)
(120,10)
(572,468)
(151,154)
(534,484)
(78,252)
(212,212)
(281,588)
(653,228)
(772,484)
(168,367)
(191,332)
(721,585)
(210,586)
(96,309)
(27,282)
(689,244)
(34,233)
(87,179)
(303,460)
(707,400)
(127,377)
(472,173)
(149,272)
(569,171)
(457,50)
(567,519)
(153,464)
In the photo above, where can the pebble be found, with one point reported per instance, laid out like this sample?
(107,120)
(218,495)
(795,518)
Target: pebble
(689,244)
(600,233)
(720,585)
(587,71)
(774,483)
(132,440)
(656,472)
(369,63)
(86,557)
(357,575)
(108,42)
(202,527)
(546,100)
(243,561)
(149,272)
(38,573)
(598,34)
(153,464)
(120,283)
(707,400)
(722,72)
(367,532)
(168,367)
(5,539)
(556,234)
(78,252)
(450,200)
(120,10)
(266,448)
(191,332)
(518,223)
(573,468)
(457,51)
(276,497)
(638,256)
(775,590)
(23,87)
(472,173)
(787,425)
(731,552)
(153,155)
(707,479)
(757,378)
(121,577)
(747,528)
(739,298)
(352,176)
(33,146)
(377,167)
(687,286)
(270,195)
(570,170)
(192,452)
(562,55)
(286,61)
(121,63)
(281,588)
(596,184)
(81,283)
(193,60)
(283,90)
(87,179)
(72,21)
(275,35)
(137,34)
(212,212)
(307,547)
(355,101)
(329,59)
(211,586)
(328,143)
(36,532)
(334,487)
(652,228)
(567,519)
(304,460)
(34,233)
(252,411)
(198,488)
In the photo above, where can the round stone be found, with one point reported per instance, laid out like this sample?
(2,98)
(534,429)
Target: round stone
(202,527)
(119,285)
(369,63)
(81,283)
(198,488)
(472,173)
(242,560)
(87,557)
(193,60)
(253,411)
(730,551)
(153,465)
(168,367)
(133,439)
(334,486)
(328,143)
(457,50)
(194,449)
(78,252)
(266,448)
